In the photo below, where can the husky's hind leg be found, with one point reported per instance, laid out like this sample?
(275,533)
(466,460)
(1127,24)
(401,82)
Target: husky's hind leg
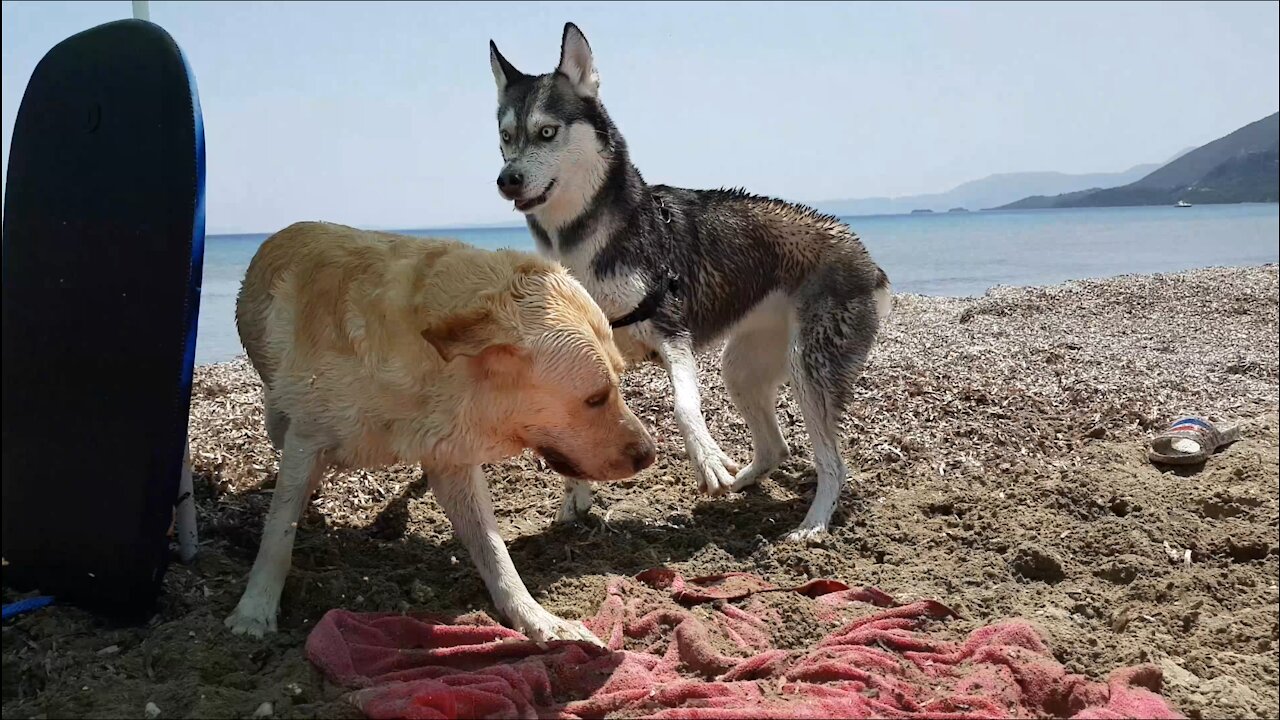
(838,320)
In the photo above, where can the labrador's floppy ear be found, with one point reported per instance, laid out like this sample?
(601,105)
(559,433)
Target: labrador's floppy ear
(467,332)
(473,334)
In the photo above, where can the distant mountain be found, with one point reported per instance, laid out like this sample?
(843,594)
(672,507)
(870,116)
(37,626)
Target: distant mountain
(1259,136)
(1044,202)
(1239,167)
(1254,173)
(987,192)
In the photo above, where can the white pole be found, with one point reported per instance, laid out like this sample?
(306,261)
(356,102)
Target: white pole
(185,522)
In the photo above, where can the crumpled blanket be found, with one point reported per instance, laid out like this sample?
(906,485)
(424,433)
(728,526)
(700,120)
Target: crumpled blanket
(707,648)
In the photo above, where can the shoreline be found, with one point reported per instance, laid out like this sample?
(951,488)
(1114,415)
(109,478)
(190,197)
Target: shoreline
(997,460)
(968,298)
(467,227)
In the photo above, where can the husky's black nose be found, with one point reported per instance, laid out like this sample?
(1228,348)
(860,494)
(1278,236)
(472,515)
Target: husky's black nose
(510,182)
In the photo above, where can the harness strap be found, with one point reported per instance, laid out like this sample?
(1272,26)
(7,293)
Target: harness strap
(650,303)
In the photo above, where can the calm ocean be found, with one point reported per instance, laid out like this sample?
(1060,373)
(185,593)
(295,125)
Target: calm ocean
(947,254)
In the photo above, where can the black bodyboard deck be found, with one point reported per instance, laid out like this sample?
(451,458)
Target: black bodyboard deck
(101,264)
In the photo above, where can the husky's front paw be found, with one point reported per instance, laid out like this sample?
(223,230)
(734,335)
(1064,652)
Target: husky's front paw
(576,502)
(252,618)
(761,465)
(546,627)
(714,471)
(808,534)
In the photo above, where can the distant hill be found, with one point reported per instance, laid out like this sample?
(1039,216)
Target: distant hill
(1239,167)
(1255,173)
(987,192)
(1044,202)
(1259,136)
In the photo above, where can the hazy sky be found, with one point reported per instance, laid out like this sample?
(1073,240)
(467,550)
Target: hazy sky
(383,114)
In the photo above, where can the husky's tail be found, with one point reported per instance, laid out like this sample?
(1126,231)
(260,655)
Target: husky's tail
(883,296)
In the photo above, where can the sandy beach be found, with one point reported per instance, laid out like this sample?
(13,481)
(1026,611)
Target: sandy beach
(997,452)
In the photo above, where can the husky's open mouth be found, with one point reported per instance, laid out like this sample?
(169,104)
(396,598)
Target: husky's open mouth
(533,202)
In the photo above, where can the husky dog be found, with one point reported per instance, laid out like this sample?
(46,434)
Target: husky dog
(792,292)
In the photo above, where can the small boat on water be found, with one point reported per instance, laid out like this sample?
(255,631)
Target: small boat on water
(1182,203)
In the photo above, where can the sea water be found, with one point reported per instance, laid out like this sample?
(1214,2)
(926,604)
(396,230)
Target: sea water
(941,254)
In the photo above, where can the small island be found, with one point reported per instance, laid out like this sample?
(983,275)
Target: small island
(958,210)
(921,212)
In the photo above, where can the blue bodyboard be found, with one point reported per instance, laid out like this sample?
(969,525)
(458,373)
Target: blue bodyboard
(101,264)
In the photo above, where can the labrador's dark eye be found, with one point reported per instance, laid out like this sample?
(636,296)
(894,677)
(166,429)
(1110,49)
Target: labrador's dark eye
(599,398)
(548,132)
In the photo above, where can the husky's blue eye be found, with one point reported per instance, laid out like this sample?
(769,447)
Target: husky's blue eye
(506,136)
(548,131)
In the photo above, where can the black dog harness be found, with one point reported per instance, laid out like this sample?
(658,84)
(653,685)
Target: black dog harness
(650,303)
(652,300)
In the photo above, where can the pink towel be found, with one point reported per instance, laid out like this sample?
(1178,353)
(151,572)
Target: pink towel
(702,649)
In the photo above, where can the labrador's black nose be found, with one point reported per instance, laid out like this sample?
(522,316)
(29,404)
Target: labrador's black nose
(642,454)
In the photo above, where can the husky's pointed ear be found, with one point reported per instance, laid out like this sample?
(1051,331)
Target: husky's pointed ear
(504,73)
(577,64)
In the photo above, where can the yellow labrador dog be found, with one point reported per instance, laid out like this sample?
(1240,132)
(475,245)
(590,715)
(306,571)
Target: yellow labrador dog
(377,349)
